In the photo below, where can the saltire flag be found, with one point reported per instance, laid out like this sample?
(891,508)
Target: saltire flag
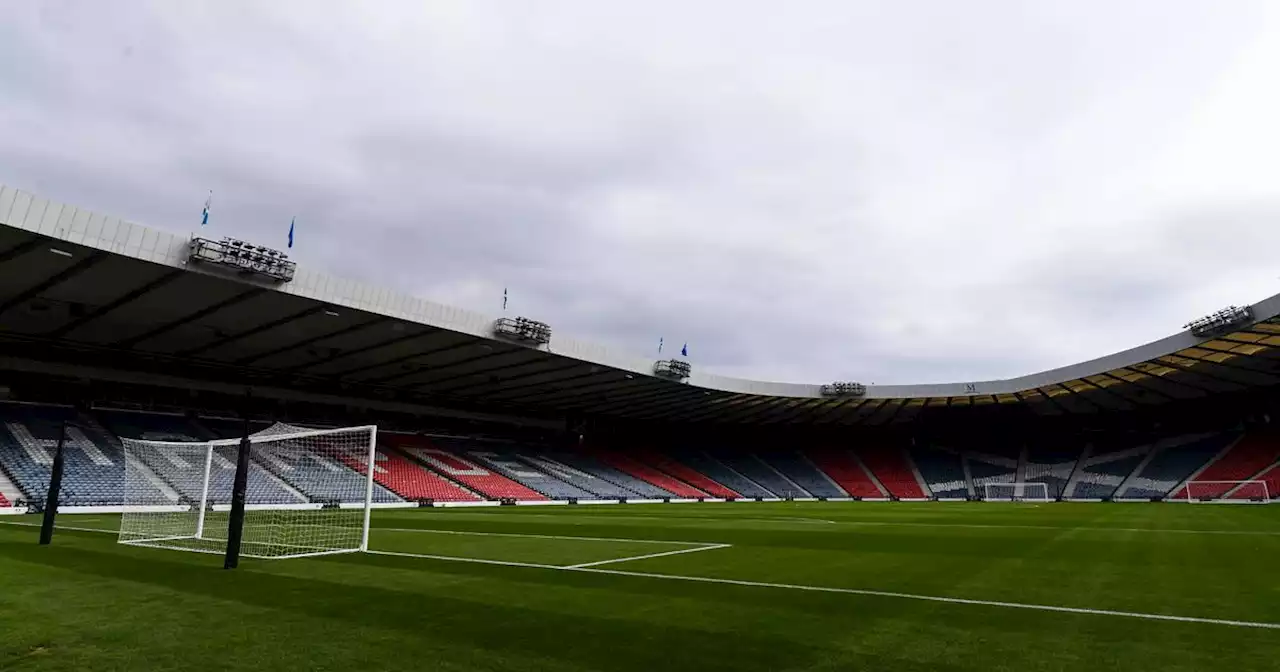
(204,216)
(504,298)
(659,345)
(291,223)
(684,351)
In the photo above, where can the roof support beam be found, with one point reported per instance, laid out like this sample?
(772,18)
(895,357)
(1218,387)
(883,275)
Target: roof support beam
(21,249)
(191,317)
(475,372)
(557,368)
(314,339)
(254,331)
(120,302)
(405,358)
(358,351)
(53,281)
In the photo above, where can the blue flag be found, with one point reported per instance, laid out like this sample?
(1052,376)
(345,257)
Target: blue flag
(684,351)
(659,345)
(204,216)
(291,223)
(504,298)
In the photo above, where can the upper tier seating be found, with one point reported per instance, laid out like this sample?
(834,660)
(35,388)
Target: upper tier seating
(512,467)
(687,474)
(411,480)
(591,465)
(892,468)
(765,476)
(436,454)
(942,470)
(802,472)
(844,469)
(1174,461)
(722,474)
(650,475)
(94,468)
(1254,452)
(593,484)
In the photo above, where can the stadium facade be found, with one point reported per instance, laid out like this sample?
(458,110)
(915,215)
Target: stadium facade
(124,330)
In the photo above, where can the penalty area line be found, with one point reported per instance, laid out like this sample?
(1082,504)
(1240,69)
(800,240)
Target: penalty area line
(854,591)
(517,535)
(650,555)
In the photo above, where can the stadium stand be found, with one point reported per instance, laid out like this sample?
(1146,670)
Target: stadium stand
(186,476)
(92,475)
(591,465)
(4,502)
(1254,452)
(649,475)
(751,467)
(1272,478)
(717,471)
(411,481)
(1103,468)
(942,470)
(593,485)
(892,467)
(843,468)
(434,454)
(510,465)
(801,470)
(1052,465)
(318,477)
(990,468)
(1173,461)
(156,427)
(687,474)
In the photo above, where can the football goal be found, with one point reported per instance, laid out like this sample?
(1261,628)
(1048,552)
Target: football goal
(307,492)
(1016,492)
(1227,491)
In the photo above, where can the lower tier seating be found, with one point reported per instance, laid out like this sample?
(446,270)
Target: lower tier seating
(1254,452)
(509,465)
(4,502)
(802,471)
(843,468)
(942,470)
(1051,466)
(892,468)
(93,466)
(452,465)
(414,482)
(595,486)
(320,476)
(688,474)
(182,470)
(590,464)
(722,474)
(750,466)
(1104,470)
(650,475)
(1174,461)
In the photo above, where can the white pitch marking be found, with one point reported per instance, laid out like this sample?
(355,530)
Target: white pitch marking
(645,557)
(60,527)
(540,536)
(1264,533)
(861,592)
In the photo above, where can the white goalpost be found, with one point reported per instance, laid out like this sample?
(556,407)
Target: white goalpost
(1228,491)
(309,492)
(1016,492)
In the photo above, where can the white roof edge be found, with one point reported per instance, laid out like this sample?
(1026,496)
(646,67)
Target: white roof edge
(23,210)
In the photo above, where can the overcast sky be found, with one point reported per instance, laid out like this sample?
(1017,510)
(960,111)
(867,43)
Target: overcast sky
(889,192)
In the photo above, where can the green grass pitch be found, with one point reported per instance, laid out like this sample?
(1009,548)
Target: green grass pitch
(742,586)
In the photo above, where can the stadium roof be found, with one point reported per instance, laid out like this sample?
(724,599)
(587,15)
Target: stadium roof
(85,289)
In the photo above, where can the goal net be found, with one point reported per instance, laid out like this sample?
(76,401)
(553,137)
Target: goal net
(309,492)
(1016,492)
(1226,491)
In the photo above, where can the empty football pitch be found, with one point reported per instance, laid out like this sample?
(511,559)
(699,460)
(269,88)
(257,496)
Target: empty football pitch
(738,586)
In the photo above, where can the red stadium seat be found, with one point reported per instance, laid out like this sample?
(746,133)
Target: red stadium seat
(649,475)
(414,482)
(1254,452)
(841,466)
(4,502)
(680,471)
(462,470)
(891,468)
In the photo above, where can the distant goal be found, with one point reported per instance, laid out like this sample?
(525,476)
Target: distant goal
(308,492)
(1230,492)
(1016,492)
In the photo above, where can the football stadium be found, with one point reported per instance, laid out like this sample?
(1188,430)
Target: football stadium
(411,485)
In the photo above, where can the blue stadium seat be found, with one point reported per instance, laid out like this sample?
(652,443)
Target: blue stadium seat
(942,471)
(722,474)
(510,465)
(94,468)
(802,472)
(1174,461)
(631,484)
